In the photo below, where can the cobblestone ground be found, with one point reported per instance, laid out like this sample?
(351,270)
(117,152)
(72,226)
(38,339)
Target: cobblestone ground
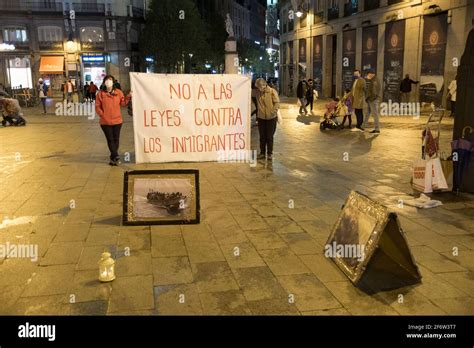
(54,160)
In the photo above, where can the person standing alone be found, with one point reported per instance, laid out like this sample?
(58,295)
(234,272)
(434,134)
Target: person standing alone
(373,100)
(405,89)
(358,99)
(268,104)
(108,103)
(301,95)
(42,93)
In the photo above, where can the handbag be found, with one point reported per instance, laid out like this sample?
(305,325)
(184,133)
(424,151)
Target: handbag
(438,181)
(422,175)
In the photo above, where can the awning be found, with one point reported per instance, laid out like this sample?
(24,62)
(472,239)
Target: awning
(52,65)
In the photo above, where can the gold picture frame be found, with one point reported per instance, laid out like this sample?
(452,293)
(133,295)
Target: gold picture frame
(161,197)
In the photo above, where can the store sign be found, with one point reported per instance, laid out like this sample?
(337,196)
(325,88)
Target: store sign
(369,49)
(190,118)
(432,58)
(93,59)
(6,47)
(318,63)
(348,58)
(393,60)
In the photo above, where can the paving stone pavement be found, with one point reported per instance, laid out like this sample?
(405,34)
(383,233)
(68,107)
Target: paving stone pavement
(57,192)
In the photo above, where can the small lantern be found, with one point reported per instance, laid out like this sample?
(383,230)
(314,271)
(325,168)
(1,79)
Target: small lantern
(106,267)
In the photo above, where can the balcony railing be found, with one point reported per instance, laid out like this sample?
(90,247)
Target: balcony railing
(88,7)
(92,46)
(51,45)
(50,6)
(138,12)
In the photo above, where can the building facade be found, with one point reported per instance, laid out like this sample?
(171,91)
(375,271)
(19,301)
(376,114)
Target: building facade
(328,39)
(80,40)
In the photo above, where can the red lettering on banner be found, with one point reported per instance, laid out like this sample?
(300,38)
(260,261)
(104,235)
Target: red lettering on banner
(181,91)
(222,92)
(201,91)
(151,145)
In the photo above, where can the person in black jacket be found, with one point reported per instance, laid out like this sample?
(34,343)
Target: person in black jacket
(310,92)
(405,88)
(301,95)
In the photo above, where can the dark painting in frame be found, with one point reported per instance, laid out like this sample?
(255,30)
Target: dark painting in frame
(386,262)
(161,197)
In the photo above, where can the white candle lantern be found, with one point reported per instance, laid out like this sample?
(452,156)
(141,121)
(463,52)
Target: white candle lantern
(106,267)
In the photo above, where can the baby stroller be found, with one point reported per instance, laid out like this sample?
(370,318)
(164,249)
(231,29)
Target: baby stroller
(332,117)
(11,112)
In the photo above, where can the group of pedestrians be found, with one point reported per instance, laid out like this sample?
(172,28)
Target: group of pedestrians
(90,92)
(307,94)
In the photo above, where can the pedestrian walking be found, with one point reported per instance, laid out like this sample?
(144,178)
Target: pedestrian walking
(92,91)
(42,90)
(108,103)
(358,99)
(347,100)
(68,90)
(311,94)
(268,104)
(86,92)
(373,101)
(301,95)
(405,88)
(452,95)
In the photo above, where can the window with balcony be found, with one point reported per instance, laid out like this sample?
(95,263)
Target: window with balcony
(371,4)
(350,7)
(50,33)
(50,38)
(92,37)
(92,34)
(318,12)
(333,9)
(15,34)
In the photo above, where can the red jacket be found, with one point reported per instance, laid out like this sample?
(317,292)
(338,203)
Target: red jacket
(107,106)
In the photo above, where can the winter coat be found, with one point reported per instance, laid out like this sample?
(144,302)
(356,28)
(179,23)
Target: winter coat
(107,106)
(268,103)
(358,93)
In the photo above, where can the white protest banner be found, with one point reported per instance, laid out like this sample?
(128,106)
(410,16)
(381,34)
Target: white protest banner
(189,117)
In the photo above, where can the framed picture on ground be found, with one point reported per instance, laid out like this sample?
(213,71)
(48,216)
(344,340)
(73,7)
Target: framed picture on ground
(161,197)
(368,244)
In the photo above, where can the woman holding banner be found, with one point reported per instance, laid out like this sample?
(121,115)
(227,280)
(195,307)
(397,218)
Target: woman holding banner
(107,105)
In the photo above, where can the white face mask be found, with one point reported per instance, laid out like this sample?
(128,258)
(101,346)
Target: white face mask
(109,83)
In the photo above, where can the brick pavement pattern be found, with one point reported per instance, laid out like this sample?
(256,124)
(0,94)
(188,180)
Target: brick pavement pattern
(192,270)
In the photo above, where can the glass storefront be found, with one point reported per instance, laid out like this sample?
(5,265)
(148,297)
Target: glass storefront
(93,68)
(19,72)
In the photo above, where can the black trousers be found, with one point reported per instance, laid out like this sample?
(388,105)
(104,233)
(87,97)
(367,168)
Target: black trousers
(112,134)
(266,129)
(43,101)
(360,117)
(310,101)
(349,116)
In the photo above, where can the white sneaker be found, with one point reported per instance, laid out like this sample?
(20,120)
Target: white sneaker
(355,129)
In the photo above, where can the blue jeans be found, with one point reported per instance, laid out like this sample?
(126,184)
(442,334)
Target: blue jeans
(373,109)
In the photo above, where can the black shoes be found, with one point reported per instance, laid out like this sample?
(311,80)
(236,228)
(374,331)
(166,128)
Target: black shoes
(115,162)
(375,131)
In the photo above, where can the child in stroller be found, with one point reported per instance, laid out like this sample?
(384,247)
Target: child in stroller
(334,110)
(11,112)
